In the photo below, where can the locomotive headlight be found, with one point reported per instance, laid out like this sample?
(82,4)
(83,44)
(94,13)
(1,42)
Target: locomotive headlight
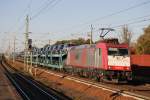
(127,68)
(109,67)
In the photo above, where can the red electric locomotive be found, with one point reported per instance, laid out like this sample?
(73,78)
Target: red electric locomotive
(103,61)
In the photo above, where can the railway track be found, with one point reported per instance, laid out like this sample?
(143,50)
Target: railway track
(116,89)
(30,89)
(137,92)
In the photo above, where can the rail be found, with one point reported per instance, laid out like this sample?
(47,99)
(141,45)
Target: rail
(30,89)
(104,87)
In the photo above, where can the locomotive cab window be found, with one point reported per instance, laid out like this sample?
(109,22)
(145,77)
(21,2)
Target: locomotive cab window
(118,51)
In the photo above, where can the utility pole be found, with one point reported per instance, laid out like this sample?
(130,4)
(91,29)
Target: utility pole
(30,70)
(14,49)
(91,41)
(26,43)
(9,50)
(49,42)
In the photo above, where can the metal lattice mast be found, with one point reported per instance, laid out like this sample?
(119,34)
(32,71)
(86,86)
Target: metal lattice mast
(26,42)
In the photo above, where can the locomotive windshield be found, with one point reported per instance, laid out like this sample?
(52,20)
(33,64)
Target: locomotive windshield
(118,51)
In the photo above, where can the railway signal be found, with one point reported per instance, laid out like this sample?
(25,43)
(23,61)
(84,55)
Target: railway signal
(29,44)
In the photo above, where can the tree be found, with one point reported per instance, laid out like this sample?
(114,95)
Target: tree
(78,41)
(133,48)
(143,42)
(126,35)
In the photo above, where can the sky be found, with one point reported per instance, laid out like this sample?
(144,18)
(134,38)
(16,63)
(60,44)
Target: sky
(53,20)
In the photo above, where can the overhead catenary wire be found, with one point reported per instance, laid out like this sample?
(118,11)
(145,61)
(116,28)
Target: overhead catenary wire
(54,2)
(136,18)
(130,23)
(19,19)
(139,21)
(111,14)
(51,2)
(140,17)
(43,8)
(123,10)
(26,9)
(120,25)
